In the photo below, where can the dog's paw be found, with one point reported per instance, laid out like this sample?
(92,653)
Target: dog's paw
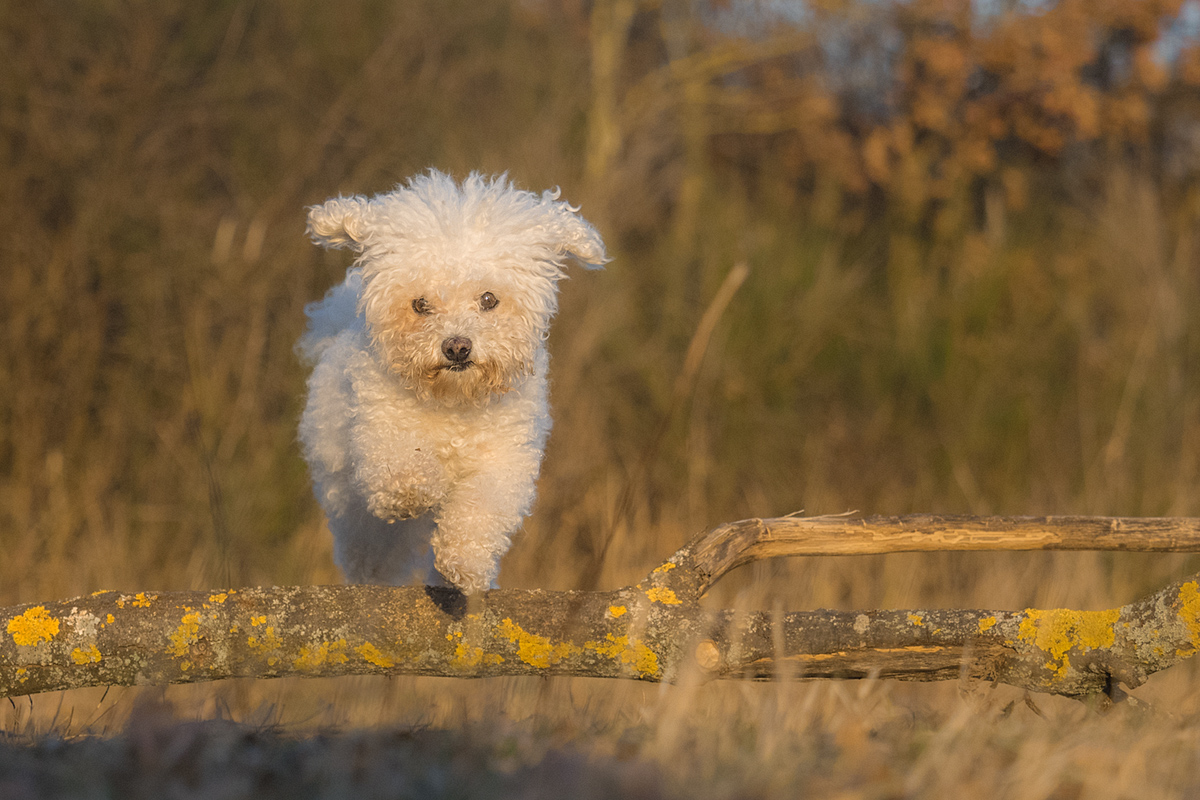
(468,578)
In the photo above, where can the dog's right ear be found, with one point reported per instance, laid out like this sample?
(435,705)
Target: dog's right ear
(339,222)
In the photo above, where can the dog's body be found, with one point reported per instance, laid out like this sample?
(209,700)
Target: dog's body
(427,411)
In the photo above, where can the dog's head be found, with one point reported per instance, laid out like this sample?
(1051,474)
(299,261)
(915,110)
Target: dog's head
(459,282)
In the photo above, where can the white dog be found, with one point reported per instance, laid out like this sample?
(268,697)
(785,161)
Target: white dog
(427,413)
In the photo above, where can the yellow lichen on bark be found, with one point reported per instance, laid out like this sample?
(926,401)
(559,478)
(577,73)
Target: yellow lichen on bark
(89,656)
(467,656)
(268,645)
(312,657)
(637,655)
(1189,613)
(1057,632)
(33,627)
(535,650)
(1096,630)
(661,594)
(139,600)
(187,634)
(372,655)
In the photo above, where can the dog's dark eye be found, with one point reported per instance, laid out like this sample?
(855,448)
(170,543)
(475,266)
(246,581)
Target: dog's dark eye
(488,301)
(422,306)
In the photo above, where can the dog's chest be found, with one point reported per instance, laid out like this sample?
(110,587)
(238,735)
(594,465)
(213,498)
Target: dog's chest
(463,437)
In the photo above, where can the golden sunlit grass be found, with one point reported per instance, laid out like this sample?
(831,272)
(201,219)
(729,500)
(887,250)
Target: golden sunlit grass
(981,302)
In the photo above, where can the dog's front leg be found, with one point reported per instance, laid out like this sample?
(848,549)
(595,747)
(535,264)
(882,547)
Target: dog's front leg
(477,520)
(399,477)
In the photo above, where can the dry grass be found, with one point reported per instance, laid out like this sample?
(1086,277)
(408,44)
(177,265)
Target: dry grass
(1037,358)
(864,740)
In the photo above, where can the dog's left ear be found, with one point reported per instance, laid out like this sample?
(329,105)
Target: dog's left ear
(577,239)
(339,222)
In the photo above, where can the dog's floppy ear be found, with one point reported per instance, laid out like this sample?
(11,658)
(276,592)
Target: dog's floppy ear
(577,239)
(339,222)
(582,243)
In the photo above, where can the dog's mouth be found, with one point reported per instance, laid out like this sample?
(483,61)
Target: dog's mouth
(459,366)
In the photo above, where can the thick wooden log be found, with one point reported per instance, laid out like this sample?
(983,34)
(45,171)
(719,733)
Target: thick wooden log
(1058,651)
(182,637)
(654,631)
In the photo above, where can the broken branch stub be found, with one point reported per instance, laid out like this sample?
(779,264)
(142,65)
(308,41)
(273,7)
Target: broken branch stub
(653,631)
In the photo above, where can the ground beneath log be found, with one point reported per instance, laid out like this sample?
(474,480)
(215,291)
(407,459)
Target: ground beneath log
(216,760)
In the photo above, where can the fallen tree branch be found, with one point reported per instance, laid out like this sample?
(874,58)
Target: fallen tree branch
(653,631)
(736,543)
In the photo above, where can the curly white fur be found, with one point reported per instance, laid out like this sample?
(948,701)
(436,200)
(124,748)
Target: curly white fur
(427,413)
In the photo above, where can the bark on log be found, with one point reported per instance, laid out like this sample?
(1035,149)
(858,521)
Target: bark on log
(653,631)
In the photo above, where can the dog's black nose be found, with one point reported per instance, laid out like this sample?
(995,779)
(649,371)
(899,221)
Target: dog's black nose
(457,349)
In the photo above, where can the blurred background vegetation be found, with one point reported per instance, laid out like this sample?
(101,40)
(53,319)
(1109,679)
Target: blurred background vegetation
(970,232)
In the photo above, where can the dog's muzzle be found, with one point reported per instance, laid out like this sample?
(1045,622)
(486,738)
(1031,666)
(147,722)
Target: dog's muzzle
(457,350)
